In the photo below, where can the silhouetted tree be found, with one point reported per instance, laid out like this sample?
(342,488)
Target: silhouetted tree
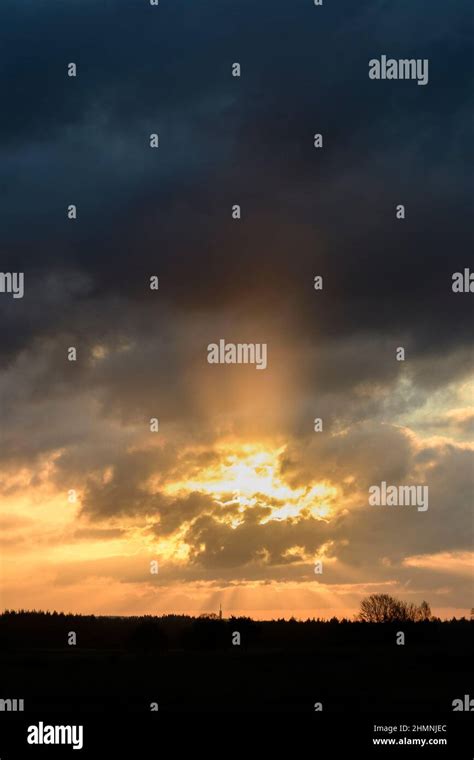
(424,611)
(379,608)
(383,608)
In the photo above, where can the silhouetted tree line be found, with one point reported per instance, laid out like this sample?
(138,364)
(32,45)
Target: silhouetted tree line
(151,634)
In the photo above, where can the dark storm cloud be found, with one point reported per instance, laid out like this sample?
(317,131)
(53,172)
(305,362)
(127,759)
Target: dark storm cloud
(246,141)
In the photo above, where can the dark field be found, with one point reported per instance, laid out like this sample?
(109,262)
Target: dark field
(188,664)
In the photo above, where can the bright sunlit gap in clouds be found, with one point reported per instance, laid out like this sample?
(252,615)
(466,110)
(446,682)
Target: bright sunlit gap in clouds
(253,473)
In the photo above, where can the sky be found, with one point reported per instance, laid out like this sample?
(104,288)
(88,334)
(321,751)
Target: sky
(236,496)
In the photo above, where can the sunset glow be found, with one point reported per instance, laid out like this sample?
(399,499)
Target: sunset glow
(241,478)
